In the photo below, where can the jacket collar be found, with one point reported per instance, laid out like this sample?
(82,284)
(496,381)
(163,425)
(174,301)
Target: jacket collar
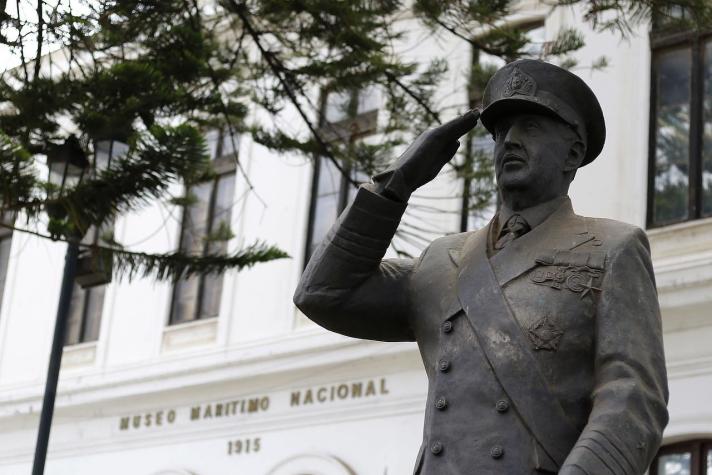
(534,216)
(563,229)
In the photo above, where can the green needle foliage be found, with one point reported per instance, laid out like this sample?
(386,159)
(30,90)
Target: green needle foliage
(157,74)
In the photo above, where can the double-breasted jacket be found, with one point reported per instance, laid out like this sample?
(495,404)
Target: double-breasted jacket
(544,357)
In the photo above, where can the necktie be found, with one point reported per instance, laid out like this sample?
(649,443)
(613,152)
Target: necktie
(515,227)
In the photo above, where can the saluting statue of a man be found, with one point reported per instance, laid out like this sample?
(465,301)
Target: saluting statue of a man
(540,333)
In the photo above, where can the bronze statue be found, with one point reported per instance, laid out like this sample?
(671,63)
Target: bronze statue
(540,333)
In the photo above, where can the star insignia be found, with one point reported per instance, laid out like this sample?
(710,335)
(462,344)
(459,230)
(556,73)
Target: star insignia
(544,335)
(589,287)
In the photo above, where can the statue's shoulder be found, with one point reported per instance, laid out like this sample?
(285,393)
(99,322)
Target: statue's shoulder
(444,251)
(612,233)
(451,241)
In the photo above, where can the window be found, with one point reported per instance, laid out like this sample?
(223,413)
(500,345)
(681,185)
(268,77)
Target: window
(205,230)
(685,458)
(347,117)
(93,273)
(84,314)
(680,163)
(87,304)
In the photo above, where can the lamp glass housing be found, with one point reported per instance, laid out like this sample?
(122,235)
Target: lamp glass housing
(105,151)
(67,164)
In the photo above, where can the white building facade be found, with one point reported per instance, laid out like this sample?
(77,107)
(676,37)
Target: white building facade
(226,377)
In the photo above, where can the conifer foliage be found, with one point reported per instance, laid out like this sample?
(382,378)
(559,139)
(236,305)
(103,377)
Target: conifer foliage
(156,74)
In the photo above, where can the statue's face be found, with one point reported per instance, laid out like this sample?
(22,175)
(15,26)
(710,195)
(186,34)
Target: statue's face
(531,153)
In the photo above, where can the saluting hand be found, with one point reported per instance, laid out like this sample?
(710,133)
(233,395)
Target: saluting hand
(425,157)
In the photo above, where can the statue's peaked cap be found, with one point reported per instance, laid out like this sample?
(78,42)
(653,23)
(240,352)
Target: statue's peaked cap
(533,85)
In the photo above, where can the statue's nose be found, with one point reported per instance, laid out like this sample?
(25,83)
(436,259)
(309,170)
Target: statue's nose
(513,138)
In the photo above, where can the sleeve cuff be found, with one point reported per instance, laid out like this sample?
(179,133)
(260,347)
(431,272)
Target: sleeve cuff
(392,185)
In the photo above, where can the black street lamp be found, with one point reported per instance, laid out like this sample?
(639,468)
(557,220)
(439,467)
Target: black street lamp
(68,164)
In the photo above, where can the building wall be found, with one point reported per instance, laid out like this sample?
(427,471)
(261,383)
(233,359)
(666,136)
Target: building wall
(142,370)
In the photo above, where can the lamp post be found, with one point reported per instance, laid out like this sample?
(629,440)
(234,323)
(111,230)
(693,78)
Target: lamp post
(68,164)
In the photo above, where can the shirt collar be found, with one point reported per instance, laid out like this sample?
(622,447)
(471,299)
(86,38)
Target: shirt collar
(534,215)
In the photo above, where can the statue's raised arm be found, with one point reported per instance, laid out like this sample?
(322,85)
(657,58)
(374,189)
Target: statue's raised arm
(346,286)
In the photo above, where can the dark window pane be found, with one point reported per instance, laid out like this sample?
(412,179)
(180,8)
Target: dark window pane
(707,135)
(212,139)
(229,143)
(195,219)
(94,307)
(675,464)
(211,294)
(185,299)
(76,314)
(85,312)
(326,207)
(195,229)
(224,196)
(199,296)
(212,283)
(672,136)
(86,306)
(480,205)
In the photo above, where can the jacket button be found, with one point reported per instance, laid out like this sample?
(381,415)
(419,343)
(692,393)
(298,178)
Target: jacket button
(436,448)
(447,326)
(502,406)
(496,452)
(441,403)
(444,365)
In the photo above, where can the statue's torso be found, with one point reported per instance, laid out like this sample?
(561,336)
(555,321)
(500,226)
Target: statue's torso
(554,302)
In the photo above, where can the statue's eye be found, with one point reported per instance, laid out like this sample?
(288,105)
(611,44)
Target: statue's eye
(532,125)
(500,131)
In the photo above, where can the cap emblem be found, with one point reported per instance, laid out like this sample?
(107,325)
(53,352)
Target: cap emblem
(519,83)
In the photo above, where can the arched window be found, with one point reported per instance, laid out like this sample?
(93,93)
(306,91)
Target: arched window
(692,457)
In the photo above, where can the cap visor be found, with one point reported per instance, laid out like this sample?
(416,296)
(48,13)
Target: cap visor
(511,106)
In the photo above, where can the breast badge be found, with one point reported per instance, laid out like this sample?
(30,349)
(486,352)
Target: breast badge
(544,335)
(580,279)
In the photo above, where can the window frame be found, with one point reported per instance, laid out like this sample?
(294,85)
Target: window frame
(86,299)
(660,42)
(223,165)
(698,448)
(93,236)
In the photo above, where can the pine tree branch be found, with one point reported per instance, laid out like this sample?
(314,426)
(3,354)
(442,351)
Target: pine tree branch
(170,266)
(21,42)
(40,39)
(241,11)
(414,96)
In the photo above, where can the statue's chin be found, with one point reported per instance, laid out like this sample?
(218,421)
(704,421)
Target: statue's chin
(516,180)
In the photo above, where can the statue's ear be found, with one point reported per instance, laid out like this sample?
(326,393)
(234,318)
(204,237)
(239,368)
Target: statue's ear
(577,152)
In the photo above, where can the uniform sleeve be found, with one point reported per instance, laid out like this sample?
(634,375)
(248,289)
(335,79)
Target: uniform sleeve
(629,410)
(347,287)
